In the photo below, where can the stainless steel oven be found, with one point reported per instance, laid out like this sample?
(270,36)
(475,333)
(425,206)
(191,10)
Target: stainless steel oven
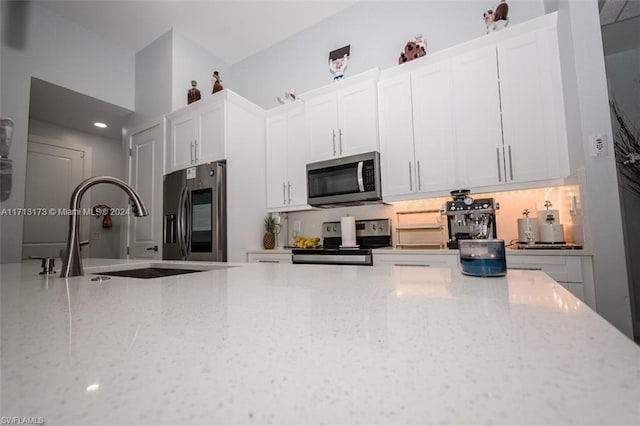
(351,180)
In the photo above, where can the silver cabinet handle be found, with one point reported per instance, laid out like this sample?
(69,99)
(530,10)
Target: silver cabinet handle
(340,139)
(284,199)
(191,152)
(419,178)
(195,150)
(498,158)
(410,178)
(333,131)
(268,261)
(510,164)
(289,191)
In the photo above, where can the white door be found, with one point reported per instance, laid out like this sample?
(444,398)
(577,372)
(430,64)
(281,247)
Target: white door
(396,136)
(145,233)
(53,172)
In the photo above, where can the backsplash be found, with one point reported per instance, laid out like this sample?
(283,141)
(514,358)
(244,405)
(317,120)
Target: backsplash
(565,199)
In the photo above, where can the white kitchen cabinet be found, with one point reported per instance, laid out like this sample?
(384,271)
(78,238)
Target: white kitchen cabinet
(342,118)
(416,131)
(444,259)
(287,152)
(196,134)
(573,272)
(509,109)
(269,258)
(531,96)
(478,127)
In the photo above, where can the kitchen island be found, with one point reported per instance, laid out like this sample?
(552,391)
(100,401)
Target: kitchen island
(307,344)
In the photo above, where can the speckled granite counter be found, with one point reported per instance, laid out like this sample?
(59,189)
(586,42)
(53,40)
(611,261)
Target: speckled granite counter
(307,344)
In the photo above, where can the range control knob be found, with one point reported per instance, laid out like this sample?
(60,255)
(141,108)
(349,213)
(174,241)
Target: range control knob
(373,226)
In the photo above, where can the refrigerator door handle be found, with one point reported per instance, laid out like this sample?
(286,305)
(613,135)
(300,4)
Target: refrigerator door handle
(181,222)
(187,233)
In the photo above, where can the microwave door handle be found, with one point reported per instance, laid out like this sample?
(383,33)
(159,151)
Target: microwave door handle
(360,180)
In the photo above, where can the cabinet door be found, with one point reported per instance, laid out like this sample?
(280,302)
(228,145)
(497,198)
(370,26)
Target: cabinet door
(358,119)
(532,108)
(183,136)
(322,116)
(211,143)
(297,153)
(396,136)
(276,127)
(478,131)
(433,128)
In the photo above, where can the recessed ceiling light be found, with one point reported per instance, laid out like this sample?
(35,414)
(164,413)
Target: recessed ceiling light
(99,124)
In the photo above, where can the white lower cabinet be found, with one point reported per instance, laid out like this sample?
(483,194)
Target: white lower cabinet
(269,257)
(443,260)
(575,273)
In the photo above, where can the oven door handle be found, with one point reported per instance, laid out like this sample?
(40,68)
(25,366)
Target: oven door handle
(360,180)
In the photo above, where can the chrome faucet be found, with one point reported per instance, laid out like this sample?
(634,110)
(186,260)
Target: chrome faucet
(71,260)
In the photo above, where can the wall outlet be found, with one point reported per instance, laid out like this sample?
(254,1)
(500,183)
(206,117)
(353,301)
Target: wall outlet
(96,235)
(599,145)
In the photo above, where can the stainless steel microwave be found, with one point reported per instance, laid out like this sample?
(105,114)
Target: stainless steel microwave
(344,181)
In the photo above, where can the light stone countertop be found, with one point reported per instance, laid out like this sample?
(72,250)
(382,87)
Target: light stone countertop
(309,344)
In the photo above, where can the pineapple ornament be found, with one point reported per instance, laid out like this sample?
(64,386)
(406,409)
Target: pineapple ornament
(269,239)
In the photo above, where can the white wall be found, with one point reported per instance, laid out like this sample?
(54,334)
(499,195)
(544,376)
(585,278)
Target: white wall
(153,80)
(377,32)
(587,111)
(106,160)
(80,61)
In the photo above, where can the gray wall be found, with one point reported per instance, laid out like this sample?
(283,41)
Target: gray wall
(623,76)
(377,32)
(65,54)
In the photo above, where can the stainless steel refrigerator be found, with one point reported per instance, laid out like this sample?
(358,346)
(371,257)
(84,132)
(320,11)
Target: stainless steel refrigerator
(195,213)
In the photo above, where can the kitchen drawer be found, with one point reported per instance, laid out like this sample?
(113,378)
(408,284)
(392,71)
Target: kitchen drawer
(269,257)
(413,259)
(566,269)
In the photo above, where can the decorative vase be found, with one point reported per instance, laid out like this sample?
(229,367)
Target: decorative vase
(269,240)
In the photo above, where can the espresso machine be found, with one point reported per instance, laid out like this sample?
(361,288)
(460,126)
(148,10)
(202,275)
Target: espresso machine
(468,218)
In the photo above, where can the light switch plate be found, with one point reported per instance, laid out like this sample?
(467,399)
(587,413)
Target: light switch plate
(599,145)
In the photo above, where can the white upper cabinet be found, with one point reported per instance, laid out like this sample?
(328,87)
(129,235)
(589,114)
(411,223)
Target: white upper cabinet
(533,119)
(196,134)
(509,108)
(342,118)
(478,129)
(286,158)
(416,131)
(433,127)
(482,115)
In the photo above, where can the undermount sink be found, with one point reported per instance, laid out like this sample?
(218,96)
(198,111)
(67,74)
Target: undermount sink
(156,272)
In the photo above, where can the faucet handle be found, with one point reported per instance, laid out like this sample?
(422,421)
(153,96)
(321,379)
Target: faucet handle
(47,265)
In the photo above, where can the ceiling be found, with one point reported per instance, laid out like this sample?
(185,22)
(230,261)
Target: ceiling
(231,30)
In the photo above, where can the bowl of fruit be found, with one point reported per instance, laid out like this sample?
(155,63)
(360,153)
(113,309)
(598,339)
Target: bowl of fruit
(304,242)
